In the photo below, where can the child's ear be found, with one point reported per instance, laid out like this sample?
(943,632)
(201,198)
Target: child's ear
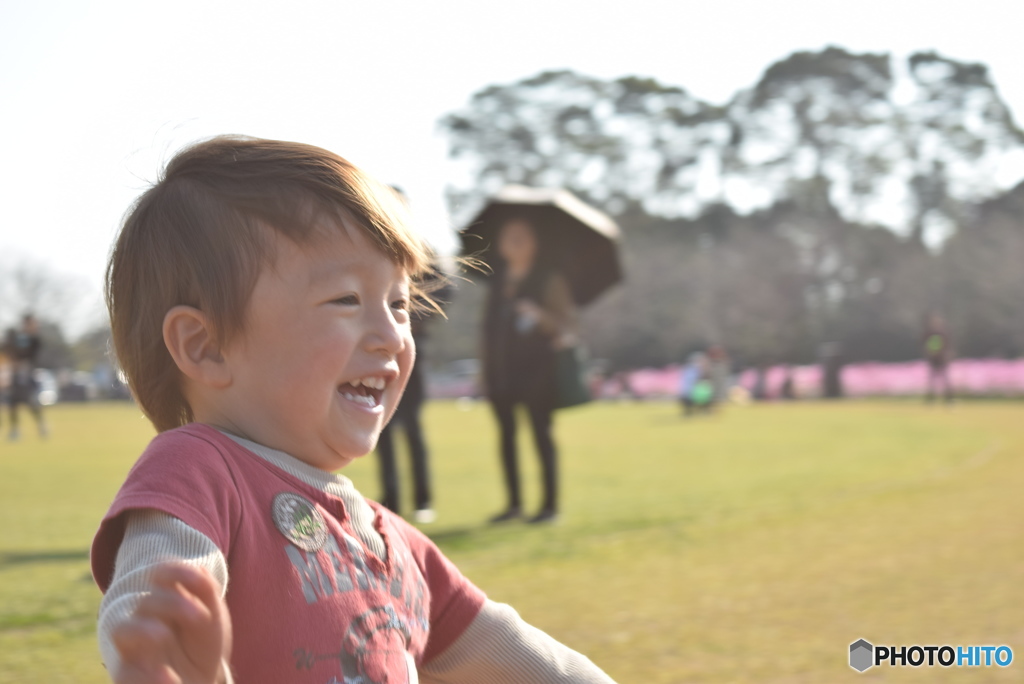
(189,338)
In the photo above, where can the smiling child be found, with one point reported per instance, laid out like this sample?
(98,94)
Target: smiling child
(259,297)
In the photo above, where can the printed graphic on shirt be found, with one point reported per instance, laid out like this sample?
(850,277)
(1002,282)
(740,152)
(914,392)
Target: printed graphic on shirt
(373,650)
(299,521)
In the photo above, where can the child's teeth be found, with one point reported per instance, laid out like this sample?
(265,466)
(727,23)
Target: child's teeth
(360,399)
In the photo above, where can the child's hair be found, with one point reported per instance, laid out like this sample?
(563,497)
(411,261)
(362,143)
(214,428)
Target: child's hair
(199,237)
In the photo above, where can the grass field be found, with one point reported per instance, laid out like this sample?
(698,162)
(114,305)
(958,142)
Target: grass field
(754,546)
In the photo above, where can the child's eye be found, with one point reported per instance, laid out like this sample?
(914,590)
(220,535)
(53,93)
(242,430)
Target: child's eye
(400,304)
(347,300)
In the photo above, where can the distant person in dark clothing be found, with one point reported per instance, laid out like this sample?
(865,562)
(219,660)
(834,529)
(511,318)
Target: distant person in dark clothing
(529,312)
(831,355)
(407,415)
(938,353)
(23,346)
(787,391)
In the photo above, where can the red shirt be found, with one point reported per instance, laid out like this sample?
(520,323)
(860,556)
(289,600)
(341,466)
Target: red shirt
(308,601)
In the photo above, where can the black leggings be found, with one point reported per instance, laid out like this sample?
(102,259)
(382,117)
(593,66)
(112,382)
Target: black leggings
(938,375)
(407,415)
(27,395)
(418,456)
(540,421)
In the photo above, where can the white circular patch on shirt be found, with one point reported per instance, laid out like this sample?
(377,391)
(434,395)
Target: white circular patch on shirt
(298,520)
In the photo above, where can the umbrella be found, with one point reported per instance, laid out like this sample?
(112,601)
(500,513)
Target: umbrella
(576,239)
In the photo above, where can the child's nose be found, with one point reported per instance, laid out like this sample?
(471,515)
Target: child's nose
(386,333)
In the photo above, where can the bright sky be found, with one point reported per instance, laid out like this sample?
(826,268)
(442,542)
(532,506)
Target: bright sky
(95,96)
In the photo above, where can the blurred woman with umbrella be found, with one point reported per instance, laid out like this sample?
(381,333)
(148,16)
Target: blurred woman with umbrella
(547,253)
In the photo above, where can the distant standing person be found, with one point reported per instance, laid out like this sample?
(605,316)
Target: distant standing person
(718,374)
(407,415)
(529,311)
(787,390)
(23,347)
(831,355)
(938,353)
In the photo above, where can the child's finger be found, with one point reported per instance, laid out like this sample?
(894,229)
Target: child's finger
(175,607)
(142,644)
(187,599)
(141,640)
(201,586)
(195,580)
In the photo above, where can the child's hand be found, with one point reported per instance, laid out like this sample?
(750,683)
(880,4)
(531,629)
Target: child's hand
(179,634)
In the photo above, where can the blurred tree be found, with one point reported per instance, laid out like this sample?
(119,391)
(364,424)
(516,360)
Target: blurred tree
(952,131)
(612,142)
(92,348)
(56,352)
(833,119)
(982,279)
(761,224)
(31,286)
(814,118)
(891,283)
(719,278)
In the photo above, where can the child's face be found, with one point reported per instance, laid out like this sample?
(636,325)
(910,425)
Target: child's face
(325,352)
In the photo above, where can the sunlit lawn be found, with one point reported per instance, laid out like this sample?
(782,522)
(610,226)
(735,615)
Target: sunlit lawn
(753,546)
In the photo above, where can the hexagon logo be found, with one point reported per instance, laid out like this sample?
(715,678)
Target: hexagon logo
(861,655)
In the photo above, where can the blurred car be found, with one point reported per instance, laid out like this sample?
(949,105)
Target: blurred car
(46,386)
(77,386)
(459,379)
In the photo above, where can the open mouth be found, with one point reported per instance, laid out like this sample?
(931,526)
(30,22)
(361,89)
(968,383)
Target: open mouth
(364,391)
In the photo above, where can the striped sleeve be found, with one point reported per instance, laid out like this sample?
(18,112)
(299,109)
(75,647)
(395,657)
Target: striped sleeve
(499,647)
(151,538)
